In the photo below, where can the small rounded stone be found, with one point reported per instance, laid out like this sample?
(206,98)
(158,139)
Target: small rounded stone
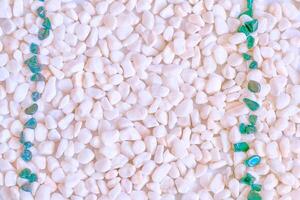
(252,119)
(25,173)
(32,178)
(254,86)
(35,96)
(27,145)
(31,109)
(252,105)
(253,195)
(26,187)
(253,65)
(252,161)
(241,147)
(43,33)
(247,179)
(31,123)
(250,42)
(26,155)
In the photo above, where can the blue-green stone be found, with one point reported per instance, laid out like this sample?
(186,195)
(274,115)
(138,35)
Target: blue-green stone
(250,129)
(32,178)
(250,4)
(241,147)
(37,77)
(35,96)
(252,119)
(26,187)
(25,173)
(256,187)
(43,33)
(27,145)
(34,48)
(26,155)
(242,128)
(41,12)
(253,65)
(246,56)
(32,61)
(47,23)
(250,41)
(31,109)
(253,195)
(31,123)
(252,25)
(252,105)
(252,161)
(22,138)
(248,179)
(243,29)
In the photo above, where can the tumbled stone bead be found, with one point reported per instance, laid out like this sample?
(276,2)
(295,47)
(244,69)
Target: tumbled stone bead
(253,65)
(35,69)
(25,173)
(31,109)
(243,29)
(34,48)
(22,138)
(246,56)
(252,25)
(37,77)
(41,12)
(250,129)
(35,96)
(32,178)
(26,155)
(250,4)
(248,179)
(47,23)
(32,61)
(241,147)
(254,86)
(252,161)
(43,33)
(256,187)
(252,119)
(250,42)
(253,195)
(31,123)
(26,187)
(248,12)
(242,128)
(252,105)
(27,145)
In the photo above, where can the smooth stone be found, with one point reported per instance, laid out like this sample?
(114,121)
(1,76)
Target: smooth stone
(35,96)
(241,147)
(253,195)
(252,119)
(26,155)
(252,105)
(250,42)
(25,173)
(31,109)
(31,123)
(248,179)
(43,33)
(34,48)
(252,161)
(254,86)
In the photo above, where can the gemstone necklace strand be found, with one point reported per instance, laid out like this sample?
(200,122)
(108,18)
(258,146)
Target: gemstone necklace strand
(35,68)
(254,87)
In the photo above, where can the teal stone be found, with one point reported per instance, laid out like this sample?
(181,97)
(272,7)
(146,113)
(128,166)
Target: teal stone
(242,128)
(256,187)
(35,69)
(27,145)
(26,187)
(35,96)
(250,42)
(241,147)
(250,129)
(41,12)
(248,179)
(25,173)
(37,77)
(32,178)
(243,29)
(31,109)
(47,24)
(252,105)
(252,119)
(32,61)
(252,25)
(43,33)
(26,155)
(34,48)
(252,161)
(246,56)
(22,138)
(254,86)
(253,65)
(31,123)
(250,4)
(253,195)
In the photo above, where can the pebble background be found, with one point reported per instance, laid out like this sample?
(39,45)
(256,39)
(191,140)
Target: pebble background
(143,100)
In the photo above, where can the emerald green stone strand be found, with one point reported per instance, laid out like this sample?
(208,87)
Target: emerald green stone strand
(250,4)
(246,56)
(253,195)
(241,147)
(47,24)
(250,42)
(252,161)
(250,129)
(252,105)
(37,77)
(252,25)
(243,29)
(253,65)
(31,109)
(242,128)
(254,86)
(32,178)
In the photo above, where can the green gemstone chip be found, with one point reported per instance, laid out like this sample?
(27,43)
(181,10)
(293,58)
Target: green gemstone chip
(43,33)
(248,179)
(31,109)
(253,195)
(252,161)
(254,86)
(252,25)
(32,178)
(37,77)
(25,173)
(47,24)
(250,41)
(241,147)
(35,96)
(41,12)
(246,56)
(242,128)
(250,4)
(31,123)
(253,65)
(256,187)
(250,129)
(252,119)
(34,48)
(252,105)
(243,29)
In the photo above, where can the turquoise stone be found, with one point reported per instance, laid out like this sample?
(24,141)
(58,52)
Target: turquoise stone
(250,129)
(32,178)
(256,187)
(252,161)
(253,65)
(242,128)
(34,48)
(250,42)
(35,69)
(252,105)
(252,119)
(252,25)
(31,123)
(241,147)
(250,4)
(243,29)
(37,77)
(27,145)
(248,179)
(43,33)
(35,96)
(26,155)
(31,109)
(26,187)
(253,195)
(25,173)
(41,12)
(246,56)
(32,61)
(47,24)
